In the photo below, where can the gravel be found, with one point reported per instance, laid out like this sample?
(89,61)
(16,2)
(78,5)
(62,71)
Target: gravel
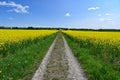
(59,63)
(42,68)
(75,70)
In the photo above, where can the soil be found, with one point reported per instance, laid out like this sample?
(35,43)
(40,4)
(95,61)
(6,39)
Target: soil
(57,69)
(60,64)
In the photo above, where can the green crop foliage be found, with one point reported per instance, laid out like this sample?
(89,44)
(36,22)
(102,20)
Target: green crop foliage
(20,60)
(97,63)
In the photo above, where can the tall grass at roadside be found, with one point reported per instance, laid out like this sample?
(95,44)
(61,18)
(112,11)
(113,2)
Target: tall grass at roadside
(100,61)
(20,60)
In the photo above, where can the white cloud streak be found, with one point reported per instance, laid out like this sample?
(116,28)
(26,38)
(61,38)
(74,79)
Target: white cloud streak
(105,19)
(68,14)
(107,14)
(93,8)
(18,8)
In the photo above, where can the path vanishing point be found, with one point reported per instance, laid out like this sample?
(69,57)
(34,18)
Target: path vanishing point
(59,63)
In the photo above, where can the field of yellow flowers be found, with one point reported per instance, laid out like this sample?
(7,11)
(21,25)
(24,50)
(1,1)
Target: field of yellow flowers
(99,53)
(112,38)
(19,35)
(21,51)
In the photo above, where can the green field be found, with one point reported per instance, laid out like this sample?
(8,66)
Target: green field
(22,59)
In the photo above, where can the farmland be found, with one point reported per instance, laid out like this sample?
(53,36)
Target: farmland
(21,51)
(98,52)
(59,39)
(19,35)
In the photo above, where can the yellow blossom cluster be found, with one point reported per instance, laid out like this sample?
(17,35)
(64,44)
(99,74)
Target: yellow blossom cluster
(112,38)
(19,35)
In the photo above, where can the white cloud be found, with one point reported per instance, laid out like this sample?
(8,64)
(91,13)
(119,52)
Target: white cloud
(93,8)
(107,14)
(18,8)
(67,14)
(105,19)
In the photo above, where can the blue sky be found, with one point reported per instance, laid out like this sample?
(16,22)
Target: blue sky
(61,13)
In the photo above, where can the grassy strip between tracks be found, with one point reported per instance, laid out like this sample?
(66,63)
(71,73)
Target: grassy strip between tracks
(94,65)
(22,59)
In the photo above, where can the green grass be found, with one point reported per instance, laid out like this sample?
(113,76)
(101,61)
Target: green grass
(97,64)
(20,60)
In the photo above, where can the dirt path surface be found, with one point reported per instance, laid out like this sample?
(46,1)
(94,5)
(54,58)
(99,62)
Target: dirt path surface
(59,63)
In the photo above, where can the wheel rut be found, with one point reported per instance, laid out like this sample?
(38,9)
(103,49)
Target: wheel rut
(59,63)
(57,69)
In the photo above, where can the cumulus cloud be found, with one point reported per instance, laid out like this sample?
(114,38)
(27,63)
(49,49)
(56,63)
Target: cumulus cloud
(18,8)
(67,14)
(93,8)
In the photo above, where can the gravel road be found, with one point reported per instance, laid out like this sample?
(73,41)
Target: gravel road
(59,63)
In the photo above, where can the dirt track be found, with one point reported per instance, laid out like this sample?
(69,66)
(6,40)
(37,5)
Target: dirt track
(59,63)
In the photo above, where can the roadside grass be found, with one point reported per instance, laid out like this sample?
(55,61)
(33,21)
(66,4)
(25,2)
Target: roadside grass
(97,64)
(20,60)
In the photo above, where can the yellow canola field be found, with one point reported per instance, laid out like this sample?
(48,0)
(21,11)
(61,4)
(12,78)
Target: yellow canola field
(112,38)
(19,35)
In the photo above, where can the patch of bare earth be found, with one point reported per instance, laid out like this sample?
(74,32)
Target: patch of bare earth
(59,63)
(57,69)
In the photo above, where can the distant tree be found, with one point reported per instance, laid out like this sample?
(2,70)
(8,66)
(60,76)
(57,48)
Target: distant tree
(2,27)
(15,28)
(30,27)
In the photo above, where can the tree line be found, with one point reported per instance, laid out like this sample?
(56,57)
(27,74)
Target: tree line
(58,28)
